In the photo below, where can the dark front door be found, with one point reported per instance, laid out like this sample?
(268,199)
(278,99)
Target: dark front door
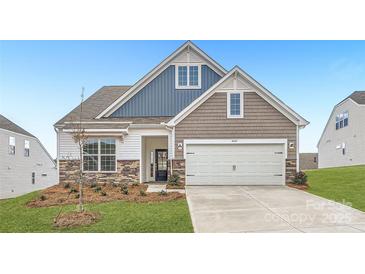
(161,165)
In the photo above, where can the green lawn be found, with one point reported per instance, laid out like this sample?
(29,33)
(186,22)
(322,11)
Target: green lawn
(339,184)
(117,216)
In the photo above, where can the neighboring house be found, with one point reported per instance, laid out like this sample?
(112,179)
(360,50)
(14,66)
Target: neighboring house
(308,161)
(342,142)
(187,116)
(25,165)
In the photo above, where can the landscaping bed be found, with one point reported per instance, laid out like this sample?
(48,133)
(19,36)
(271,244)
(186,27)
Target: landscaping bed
(61,195)
(300,187)
(75,219)
(175,186)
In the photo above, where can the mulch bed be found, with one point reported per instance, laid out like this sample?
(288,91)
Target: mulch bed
(300,187)
(178,186)
(58,195)
(74,219)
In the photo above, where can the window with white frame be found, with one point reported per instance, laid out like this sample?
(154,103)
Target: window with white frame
(26,148)
(99,155)
(11,145)
(235,105)
(188,76)
(342,120)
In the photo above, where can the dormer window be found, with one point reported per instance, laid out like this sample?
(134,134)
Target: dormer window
(188,76)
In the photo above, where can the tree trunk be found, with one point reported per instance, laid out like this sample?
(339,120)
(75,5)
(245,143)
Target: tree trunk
(81,205)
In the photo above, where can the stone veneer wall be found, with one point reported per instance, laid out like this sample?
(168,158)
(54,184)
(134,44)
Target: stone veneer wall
(127,172)
(291,170)
(178,166)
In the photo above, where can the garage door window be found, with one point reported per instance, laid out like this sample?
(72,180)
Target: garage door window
(234,105)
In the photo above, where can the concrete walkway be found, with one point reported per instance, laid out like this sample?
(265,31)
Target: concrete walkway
(159,187)
(268,209)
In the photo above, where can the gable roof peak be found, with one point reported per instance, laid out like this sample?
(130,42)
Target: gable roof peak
(155,71)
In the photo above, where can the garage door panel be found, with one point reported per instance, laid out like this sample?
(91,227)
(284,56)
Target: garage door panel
(235,164)
(239,167)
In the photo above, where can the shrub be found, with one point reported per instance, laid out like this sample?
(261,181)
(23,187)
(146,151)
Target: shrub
(43,197)
(142,193)
(77,196)
(73,190)
(174,179)
(162,193)
(300,178)
(124,189)
(97,189)
(93,185)
(114,184)
(135,184)
(103,193)
(66,185)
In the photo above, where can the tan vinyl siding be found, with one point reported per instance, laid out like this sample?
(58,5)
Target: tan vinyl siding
(261,120)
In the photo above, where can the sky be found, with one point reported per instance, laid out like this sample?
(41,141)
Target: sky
(41,81)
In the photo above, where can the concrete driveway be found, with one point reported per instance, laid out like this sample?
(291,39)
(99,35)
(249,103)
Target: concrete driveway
(268,209)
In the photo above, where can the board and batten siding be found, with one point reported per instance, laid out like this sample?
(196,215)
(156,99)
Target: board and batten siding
(128,149)
(16,170)
(160,98)
(261,120)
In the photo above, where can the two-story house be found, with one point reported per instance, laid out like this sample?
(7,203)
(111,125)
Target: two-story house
(25,165)
(189,116)
(342,142)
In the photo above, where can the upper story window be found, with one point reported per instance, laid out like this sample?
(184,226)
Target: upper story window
(234,104)
(26,148)
(99,155)
(11,145)
(342,120)
(188,77)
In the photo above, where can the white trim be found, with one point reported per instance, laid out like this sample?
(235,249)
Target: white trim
(98,130)
(283,142)
(173,143)
(100,122)
(99,158)
(140,160)
(264,93)
(150,76)
(298,169)
(147,126)
(229,93)
(236,141)
(188,65)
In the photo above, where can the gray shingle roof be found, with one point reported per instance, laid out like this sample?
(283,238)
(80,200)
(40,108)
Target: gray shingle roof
(98,102)
(9,125)
(95,104)
(358,97)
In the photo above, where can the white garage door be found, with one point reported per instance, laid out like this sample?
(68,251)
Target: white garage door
(235,164)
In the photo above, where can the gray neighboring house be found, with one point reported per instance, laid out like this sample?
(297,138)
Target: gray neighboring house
(25,165)
(342,142)
(187,116)
(308,161)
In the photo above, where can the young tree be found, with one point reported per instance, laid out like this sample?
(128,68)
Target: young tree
(80,138)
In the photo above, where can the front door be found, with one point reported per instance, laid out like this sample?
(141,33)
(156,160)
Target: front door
(161,165)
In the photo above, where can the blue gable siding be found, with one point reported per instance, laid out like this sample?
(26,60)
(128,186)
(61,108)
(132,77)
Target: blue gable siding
(160,98)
